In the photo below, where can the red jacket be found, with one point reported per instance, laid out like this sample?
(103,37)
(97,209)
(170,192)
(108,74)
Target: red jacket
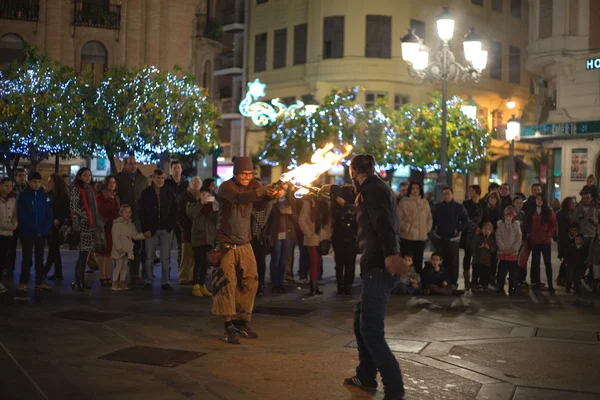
(542,233)
(108,208)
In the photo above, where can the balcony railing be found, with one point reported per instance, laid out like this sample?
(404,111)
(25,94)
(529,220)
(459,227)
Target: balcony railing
(87,13)
(24,10)
(231,12)
(229,60)
(213,30)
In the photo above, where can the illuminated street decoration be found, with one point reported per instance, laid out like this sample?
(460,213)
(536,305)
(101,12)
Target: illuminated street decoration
(261,113)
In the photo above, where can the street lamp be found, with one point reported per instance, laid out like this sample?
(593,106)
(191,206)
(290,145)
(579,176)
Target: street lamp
(444,68)
(512,133)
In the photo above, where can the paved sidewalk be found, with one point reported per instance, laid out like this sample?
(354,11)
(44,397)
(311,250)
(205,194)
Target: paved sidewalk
(156,345)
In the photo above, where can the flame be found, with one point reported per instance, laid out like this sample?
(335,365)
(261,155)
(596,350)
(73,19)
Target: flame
(321,162)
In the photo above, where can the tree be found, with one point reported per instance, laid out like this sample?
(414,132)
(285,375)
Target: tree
(340,119)
(153,115)
(41,110)
(419,127)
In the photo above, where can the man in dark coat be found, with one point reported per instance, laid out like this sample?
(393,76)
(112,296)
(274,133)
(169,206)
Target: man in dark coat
(178,184)
(378,230)
(130,183)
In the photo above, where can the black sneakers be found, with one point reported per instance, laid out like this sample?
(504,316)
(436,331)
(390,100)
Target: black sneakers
(357,382)
(245,331)
(229,335)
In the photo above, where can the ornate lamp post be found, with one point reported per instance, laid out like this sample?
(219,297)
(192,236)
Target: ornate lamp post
(513,132)
(444,68)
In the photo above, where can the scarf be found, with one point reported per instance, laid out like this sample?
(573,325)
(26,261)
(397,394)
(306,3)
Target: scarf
(86,205)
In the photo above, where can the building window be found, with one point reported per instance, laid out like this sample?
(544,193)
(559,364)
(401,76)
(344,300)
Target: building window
(333,37)
(260,52)
(545,20)
(261,1)
(496,62)
(497,5)
(400,100)
(288,101)
(594,27)
(573,17)
(279,48)
(477,2)
(372,97)
(514,64)
(300,39)
(515,8)
(94,60)
(12,48)
(419,28)
(379,36)
(207,77)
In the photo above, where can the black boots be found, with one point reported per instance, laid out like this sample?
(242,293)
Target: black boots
(314,288)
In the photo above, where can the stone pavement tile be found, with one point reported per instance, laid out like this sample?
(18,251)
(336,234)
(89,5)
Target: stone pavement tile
(159,357)
(400,346)
(544,361)
(526,393)
(432,362)
(88,315)
(496,391)
(567,334)
(523,331)
(436,349)
(473,376)
(15,382)
(484,340)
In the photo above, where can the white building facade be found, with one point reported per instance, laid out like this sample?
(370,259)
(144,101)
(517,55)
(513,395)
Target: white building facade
(564,50)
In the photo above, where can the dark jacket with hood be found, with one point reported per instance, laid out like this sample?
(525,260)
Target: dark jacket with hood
(129,188)
(34,209)
(378,222)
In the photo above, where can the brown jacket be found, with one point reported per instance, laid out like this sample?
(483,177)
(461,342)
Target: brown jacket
(308,226)
(235,210)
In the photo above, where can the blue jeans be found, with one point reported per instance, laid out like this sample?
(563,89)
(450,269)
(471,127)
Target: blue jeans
(279,254)
(374,353)
(163,240)
(545,251)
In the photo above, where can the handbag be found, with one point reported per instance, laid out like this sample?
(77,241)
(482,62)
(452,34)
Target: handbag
(69,235)
(325,247)
(215,256)
(100,245)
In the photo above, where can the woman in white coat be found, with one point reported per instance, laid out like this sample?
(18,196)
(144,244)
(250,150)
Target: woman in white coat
(415,223)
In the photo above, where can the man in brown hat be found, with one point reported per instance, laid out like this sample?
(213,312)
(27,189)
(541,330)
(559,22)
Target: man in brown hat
(235,280)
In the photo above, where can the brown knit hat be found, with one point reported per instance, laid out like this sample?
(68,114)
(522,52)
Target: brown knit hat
(242,164)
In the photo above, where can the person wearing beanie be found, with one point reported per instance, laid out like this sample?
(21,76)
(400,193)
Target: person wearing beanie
(508,240)
(232,299)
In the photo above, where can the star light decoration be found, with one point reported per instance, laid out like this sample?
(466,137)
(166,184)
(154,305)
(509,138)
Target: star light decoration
(157,113)
(263,114)
(41,110)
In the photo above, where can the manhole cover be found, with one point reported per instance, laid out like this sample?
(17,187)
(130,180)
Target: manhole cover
(153,356)
(89,316)
(283,311)
(399,345)
(566,334)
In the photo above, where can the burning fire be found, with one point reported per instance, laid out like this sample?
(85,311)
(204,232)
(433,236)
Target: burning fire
(321,162)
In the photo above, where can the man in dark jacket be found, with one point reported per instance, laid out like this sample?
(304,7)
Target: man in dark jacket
(158,216)
(130,183)
(378,229)
(343,238)
(505,199)
(178,184)
(529,205)
(449,220)
(34,210)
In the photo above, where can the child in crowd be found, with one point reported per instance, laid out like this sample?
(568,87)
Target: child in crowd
(594,258)
(436,279)
(34,209)
(524,249)
(575,263)
(484,245)
(8,223)
(508,240)
(411,283)
(124,232)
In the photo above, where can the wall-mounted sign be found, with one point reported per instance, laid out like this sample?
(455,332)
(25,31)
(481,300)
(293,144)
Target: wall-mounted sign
(592,63)
(563,129)
(579,164)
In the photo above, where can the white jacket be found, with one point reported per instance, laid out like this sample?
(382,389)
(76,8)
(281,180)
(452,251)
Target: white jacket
(123,235)
(508,237)
(415,218)
(8,215)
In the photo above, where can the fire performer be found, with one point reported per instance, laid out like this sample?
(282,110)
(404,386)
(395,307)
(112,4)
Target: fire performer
(235,280)
(380,263)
